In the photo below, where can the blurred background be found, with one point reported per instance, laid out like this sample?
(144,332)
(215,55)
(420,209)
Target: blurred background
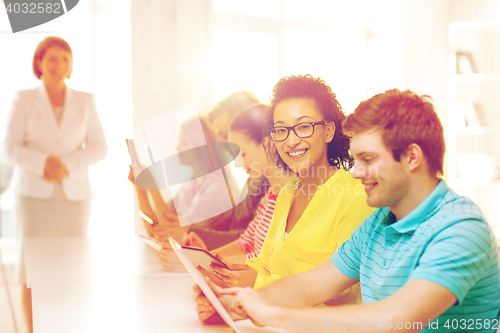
(142,58)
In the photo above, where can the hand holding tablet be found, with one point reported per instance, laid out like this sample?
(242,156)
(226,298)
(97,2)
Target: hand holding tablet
(203,258)
(198,278)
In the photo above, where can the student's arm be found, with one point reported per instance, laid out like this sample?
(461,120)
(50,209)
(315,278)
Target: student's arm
(231,249)
(323,282)
(452,263)
(161,208)
(232,223)
(255,272)
(144,204)
(243,245)
(240,259)
(414,305)
(146,208)
(215,238)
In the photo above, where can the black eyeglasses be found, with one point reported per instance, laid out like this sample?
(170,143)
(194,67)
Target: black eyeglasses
(302,130)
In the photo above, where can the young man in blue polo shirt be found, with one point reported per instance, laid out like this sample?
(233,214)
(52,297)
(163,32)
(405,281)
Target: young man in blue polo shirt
(425,260)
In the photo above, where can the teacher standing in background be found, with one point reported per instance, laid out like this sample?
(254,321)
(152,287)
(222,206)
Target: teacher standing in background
(53,135)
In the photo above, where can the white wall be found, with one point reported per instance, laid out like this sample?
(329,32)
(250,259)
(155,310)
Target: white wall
(426,53)
(169,40)
(470,10)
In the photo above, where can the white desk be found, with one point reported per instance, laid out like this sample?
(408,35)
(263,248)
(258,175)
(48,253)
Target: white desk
(146,304)
(66,257)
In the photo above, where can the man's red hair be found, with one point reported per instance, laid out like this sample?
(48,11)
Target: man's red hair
(403,118)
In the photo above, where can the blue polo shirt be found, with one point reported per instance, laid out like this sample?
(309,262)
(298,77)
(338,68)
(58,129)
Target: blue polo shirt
(445,240)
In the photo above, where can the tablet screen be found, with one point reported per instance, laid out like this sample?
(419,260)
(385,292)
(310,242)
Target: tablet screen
(202,257)
(137,168)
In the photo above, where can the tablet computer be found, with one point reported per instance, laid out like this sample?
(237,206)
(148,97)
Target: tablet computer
(154,243)
(198,278)
(202,257)
(137,168)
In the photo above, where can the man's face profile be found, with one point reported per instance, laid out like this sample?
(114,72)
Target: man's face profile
(385,179)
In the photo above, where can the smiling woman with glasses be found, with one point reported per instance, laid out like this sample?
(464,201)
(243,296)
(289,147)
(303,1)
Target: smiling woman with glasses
(319,209)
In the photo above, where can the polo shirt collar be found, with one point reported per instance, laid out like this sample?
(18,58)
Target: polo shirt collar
(410,222)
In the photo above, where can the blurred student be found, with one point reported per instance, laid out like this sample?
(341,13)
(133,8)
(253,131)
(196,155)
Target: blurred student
(426,259)
(200,192)
(317,211)
(224,227)
(222,115)
(247,132)
(53,135)
(229,225)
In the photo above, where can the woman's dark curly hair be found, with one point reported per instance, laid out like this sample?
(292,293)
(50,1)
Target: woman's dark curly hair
(316,89)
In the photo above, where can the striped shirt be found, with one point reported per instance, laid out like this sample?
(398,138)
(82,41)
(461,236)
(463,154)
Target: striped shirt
(445,240)
(252,239)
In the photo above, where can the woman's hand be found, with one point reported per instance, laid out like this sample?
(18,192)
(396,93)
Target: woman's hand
(142,169)
(131,176)
(193,240)
(54,170)
(172,219)
(169,259)
(206,311)
(162,233)
(238,275)
(217,281)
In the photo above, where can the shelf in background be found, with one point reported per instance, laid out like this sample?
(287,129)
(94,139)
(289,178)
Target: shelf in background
(474,90)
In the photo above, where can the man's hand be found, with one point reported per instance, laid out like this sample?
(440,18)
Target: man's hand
(238,275)
(55,170)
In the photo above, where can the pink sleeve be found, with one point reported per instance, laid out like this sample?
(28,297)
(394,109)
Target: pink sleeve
(245,241)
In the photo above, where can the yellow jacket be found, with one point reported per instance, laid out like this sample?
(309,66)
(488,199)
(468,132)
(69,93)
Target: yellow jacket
(338,207)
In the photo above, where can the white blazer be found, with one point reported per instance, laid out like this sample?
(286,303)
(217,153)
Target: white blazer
(33,135)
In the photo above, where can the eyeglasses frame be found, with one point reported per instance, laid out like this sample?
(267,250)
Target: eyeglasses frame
(288,128)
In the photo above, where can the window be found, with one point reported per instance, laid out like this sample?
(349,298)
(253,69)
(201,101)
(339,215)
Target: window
(356,46)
